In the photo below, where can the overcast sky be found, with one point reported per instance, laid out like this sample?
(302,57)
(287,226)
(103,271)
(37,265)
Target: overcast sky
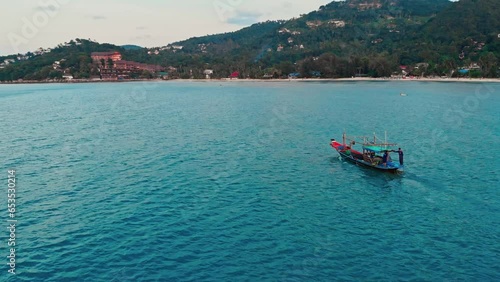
(26,25)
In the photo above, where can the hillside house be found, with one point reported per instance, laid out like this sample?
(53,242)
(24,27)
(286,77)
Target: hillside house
(208,73)
(313,24)
(365,5)
(337,23)
(234,75)
(67,76)
(404,70)
(474,66)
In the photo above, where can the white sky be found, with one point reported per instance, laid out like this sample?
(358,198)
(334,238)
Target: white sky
(26,25)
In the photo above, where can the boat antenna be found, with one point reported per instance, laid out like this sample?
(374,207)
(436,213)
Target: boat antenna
(385,142)
(343,138)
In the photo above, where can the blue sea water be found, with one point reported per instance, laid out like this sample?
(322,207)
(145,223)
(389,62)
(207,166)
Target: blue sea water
(192,181)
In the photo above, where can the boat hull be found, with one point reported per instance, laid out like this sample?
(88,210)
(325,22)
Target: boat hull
(354,158)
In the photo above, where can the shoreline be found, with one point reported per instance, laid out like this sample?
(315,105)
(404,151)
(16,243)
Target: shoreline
(356,79)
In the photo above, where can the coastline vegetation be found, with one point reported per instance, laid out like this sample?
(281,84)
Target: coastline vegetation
(353,38)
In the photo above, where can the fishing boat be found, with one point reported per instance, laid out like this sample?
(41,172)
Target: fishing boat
(374,153)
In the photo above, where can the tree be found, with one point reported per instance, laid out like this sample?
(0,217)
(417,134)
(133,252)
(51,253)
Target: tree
(488,64)
(110,64)
(146,74)
(381,66)
(286,67)
(306,67)
(55,74)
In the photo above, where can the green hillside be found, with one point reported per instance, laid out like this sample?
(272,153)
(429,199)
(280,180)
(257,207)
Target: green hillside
(469,31)
(352,31)
(73,57)
(131,47)
(341,39)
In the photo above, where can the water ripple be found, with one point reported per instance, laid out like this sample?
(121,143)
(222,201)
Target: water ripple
(202,182)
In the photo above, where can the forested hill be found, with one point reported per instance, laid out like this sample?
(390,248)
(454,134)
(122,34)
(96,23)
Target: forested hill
(52,63)
(372,37)
(468,18)
(470,30)
(341,39)
(353,27)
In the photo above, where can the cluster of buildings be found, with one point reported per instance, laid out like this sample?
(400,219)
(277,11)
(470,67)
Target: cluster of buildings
(290,40)
(7,62)
(311,24)
(335,23)
(173,48)
(203,47)
(471,49)
(112,67)
(366,5)
(286,30)
(40,51)
(281,47)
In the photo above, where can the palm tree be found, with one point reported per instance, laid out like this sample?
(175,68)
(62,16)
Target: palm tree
(110,64)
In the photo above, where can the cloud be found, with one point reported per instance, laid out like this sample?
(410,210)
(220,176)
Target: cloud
(98,17)
(244,18)
(141,28)
(142,37)
(288,5)
(45,8)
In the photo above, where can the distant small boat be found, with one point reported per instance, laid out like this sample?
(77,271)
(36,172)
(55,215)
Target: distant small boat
(374,154)
(403,94)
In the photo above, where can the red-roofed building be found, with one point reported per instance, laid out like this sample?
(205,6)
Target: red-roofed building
(127,69)
(120,69)
(235,75)
(129,65)
(98,56)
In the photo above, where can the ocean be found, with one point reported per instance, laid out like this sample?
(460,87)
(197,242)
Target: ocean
(236,181)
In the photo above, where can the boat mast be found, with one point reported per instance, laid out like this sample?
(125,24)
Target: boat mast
(343,138)
(385,141)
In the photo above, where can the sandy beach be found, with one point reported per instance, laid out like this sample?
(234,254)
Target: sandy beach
(355,79)
(496,80)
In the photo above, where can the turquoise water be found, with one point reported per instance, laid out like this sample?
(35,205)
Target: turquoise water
(188,181)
